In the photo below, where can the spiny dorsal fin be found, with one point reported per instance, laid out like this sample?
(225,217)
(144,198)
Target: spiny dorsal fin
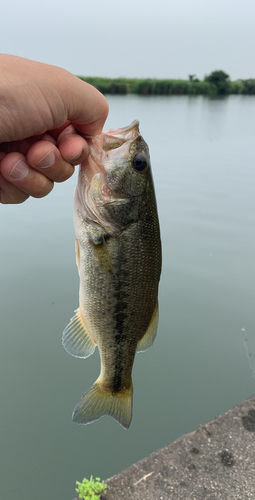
(76,339)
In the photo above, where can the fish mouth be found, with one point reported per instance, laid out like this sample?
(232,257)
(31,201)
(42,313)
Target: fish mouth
(113,138)
(93,191)
(109,144)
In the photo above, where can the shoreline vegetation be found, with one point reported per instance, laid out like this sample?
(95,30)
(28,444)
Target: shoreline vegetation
(218,83)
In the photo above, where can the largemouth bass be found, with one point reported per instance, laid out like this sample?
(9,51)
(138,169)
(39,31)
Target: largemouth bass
(118,254)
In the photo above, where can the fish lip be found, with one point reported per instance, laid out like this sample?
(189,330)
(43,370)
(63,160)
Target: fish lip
(135,123)
(115,132)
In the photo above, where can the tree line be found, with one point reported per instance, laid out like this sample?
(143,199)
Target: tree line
(218,83)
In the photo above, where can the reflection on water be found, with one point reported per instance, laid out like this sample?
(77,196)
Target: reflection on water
(203,161)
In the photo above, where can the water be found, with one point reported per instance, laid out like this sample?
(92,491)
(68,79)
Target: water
(201,364)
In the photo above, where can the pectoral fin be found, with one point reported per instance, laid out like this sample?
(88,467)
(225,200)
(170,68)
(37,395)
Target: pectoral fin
(102,255)
(150,334)
(76,339)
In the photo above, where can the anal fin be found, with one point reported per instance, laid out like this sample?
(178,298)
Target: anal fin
(149,336)
(76,339)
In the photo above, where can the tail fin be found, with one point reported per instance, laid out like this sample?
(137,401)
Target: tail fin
(97,402)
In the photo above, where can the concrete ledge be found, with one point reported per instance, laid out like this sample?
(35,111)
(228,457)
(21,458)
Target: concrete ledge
(216,461)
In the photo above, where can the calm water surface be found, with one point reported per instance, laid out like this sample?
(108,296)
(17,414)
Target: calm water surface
(203,160)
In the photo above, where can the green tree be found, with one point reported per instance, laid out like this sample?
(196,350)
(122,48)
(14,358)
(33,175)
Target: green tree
(221,81)
(248,86)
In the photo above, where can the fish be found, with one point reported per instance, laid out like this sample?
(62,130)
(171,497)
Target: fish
(118,255)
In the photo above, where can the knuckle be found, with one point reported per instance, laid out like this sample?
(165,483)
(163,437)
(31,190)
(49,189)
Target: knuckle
(10,194)
(12,198)
(65,171)
(42,189)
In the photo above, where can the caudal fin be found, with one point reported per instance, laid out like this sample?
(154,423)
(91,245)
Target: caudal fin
(97,402)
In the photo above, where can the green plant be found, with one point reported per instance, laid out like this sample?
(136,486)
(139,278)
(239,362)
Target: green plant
(221,81)
(217,83)
(89,488)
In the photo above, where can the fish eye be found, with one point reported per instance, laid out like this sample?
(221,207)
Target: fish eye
(139,163)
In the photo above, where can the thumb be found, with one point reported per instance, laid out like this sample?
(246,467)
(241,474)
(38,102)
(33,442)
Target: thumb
(36,97)
(87,108)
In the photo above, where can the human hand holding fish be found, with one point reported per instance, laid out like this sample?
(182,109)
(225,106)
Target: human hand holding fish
(50,121)
(41,109)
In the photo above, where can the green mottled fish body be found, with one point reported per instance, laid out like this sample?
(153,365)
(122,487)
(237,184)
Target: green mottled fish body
(119,261)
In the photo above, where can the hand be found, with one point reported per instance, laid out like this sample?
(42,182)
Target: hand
(41,109)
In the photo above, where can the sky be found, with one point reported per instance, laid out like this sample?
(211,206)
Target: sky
(135,38)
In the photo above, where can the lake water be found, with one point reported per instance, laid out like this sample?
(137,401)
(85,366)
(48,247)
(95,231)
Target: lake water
(203,160)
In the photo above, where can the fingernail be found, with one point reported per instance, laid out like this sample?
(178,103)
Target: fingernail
(20,170)
(47,160)
(76,156)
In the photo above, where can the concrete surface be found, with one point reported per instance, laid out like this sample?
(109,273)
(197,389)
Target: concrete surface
(216,461)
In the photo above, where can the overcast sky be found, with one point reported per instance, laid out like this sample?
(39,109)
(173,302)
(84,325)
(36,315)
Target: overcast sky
(135,38)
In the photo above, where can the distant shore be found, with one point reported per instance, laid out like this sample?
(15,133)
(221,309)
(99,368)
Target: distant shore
(169,87)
